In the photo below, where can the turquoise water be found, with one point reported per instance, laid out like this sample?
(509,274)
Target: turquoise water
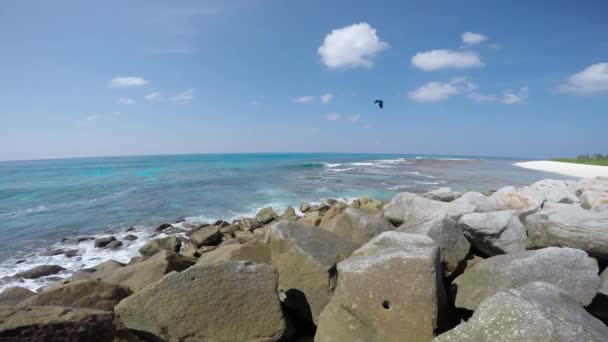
(43,201)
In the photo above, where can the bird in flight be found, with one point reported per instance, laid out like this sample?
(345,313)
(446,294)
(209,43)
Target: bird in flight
(380,103)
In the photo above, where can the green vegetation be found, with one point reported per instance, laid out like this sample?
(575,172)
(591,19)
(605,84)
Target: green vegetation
(595,159)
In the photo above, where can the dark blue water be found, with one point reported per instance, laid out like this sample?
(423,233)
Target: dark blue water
(43,201)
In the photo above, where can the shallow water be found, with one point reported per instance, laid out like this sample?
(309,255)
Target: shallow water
(42,202)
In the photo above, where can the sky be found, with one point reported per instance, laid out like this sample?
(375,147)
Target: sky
(487,78)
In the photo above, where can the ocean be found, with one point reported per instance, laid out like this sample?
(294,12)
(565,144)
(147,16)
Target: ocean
(48,204)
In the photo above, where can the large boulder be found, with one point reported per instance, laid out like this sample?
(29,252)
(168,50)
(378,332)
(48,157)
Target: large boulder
(54,323)
(568,225)
(441,194)
(599,306)
(104,241)
(594,198)
(40,271)
(15,295)
(141,274)
(570,269)
(266,215)
(334,211)
(481,202)
(206,236)
(453,246)
(496,232)
(535,312)
(311,218)
(305,258)
(228,301)
(289,215)
(254,250)
(170,243)
(553,191)
(91,294)
(247,224)
(356,226)
(408,206)
(388,290)
(109,265)
(507,198)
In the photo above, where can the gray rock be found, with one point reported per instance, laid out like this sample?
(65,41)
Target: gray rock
(356,226)
(568,225)
(170,243)
(599,306)
(441,194)
(104,241)
(305,258)
(594,198)
(206,236)
(496,232)
(114,244)
(554,191)
(289,215)
(409,207)
(14,295)
(453,246)
(535,312)
(254,251)
(228,301)
(570,269)
(247,223)
(162,227)
(109,265)
(507,198)
(266,215)
(40,271)
(388,290)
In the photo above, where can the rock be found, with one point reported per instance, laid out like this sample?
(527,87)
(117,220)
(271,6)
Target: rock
(109,265)
(568,268)
(356,226)
(221,223)
(261,231)
(441,194)
(206,249)
(407,206)
(52,252)
(206,236)
(567,225)
(40,271)
(305,258)
(247,297)
(104,241)
(507,198)
(535,312)
(554,191)
(84,238)
(332,212)
(304,207)
(53,323)
(91,294)
(169,243)
(131,237)
(453,246)
(321,208)
(372,208)
(114,244)
(594,198)
(248,224)
(139,275)
(388,290)
(189,251)
(289,215)
(311,218)
(254,251)
(71,253)
(266,215)
(162,227)
(14,295)
(244,236)
(493,233)
(228,242)
(599,306)
(229,229)
(481,202)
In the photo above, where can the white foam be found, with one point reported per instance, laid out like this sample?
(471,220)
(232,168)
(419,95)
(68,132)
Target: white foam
(362,164)
(344,170)
(332,165)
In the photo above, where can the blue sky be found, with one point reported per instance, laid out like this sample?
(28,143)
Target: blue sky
(516,78)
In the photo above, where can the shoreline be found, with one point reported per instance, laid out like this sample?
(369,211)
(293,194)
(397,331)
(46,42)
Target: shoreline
(568,169)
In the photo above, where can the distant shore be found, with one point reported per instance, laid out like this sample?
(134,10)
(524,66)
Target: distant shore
(569,169)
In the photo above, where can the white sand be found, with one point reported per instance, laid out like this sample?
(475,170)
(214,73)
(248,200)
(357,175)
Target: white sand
(570,169)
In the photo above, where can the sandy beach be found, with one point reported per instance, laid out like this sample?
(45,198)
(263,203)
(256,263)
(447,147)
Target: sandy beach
(569,169)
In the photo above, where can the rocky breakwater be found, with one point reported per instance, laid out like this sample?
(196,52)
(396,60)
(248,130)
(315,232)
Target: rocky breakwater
(519,264)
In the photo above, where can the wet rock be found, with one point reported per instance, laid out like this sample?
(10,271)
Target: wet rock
(53,323)
(40,271)
(131,237)
(537,311)
(266,215)
(162,227)
(14,295)
(166,310)
(169,243)
(496,232)
(356,226)
(104,241)
(388,290)
(114,244)
(570,269)
(84,238)
(71,253)
(51,252)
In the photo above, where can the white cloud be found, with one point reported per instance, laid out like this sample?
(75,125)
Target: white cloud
(333,116)
(439,91)
(304,99)
(354,118)
(509,97)
(472,38)
(126,101)
(92,117)
(351,47)
(446,59)
(155,96)
(326,98)
(185,97)
(127,81)
(592,80)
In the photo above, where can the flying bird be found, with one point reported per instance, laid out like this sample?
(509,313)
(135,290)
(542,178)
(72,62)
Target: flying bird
(380,103)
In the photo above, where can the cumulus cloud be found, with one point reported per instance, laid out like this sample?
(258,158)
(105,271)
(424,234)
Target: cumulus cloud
(439,91)
(304,99)
(446,59)
(472,38)
(126,101)
(508,96)
(326,98)
(155,96)
(127,81)
(333,116)
(185,97)
(592,80)
(351,47)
